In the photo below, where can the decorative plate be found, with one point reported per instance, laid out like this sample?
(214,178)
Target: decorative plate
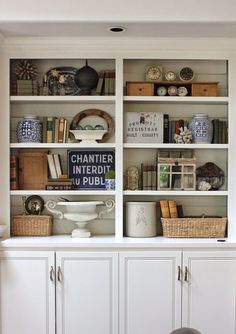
(34,205)
(153,73)
(186,74)
(95,112)
(161,91)
(170,76)
(69,79)
(182,91)
(172,90)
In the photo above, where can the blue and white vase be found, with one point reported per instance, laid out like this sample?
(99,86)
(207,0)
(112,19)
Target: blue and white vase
(110,184)
(29,130)
(201,128)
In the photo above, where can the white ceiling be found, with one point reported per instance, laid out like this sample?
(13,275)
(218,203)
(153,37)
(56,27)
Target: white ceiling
(90,18)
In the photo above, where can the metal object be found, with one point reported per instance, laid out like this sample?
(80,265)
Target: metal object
(179,273)
(186,274)
(59,274)
(52,274)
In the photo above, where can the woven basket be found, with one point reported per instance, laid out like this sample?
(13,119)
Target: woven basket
(29,225)
(194,227)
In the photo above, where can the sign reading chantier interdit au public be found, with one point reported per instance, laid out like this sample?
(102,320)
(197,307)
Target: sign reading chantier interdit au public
(87,167)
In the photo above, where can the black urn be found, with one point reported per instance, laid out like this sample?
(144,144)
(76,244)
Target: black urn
(86,78)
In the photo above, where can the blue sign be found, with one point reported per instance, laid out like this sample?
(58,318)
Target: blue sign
(87,167)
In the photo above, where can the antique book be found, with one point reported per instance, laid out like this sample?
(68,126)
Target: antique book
(165,211)
(51,166)
(173,209)
(13,172)
(57,163)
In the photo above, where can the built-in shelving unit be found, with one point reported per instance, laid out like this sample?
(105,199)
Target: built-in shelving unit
(130,69)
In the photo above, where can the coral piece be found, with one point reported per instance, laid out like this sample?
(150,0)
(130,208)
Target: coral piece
(184,136)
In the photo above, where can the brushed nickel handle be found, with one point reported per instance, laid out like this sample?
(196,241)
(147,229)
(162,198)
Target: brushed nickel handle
(52,274)
(179,273)
(186,274)
(59,274)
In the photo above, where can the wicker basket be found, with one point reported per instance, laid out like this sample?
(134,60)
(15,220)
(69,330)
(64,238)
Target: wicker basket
(194,227)
(29,225)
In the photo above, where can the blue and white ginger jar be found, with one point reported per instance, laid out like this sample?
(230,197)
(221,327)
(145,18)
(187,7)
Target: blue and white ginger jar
(201,129)
(29,130)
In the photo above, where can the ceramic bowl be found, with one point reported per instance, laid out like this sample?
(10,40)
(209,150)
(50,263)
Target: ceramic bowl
(88,135)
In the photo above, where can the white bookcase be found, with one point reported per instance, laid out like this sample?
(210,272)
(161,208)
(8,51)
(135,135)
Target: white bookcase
(129,66)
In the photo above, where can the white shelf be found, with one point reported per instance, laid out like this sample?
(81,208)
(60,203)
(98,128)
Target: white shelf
(178,146)
(63,99)
(178,99)
(174,193)
(62,145)
(63,192)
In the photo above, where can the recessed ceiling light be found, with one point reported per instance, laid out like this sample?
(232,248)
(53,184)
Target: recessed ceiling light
(117,29)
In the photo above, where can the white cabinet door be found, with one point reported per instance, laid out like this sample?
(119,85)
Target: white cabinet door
(87,293)
(150,292)
(209,292)
(27,295)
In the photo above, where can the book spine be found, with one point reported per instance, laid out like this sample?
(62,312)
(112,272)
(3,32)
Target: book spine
(100,85)
(154,177)
(165,212)
(57,162)
(215,123)
(173,209)
(166,128)
(145,177)
(149,177)
(181,123)
(14,172)
(56,130)
(51,165)
(61,130)
(49,129)
(45,129)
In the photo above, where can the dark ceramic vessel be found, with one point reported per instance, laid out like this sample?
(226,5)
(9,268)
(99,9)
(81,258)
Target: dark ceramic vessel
(86,78)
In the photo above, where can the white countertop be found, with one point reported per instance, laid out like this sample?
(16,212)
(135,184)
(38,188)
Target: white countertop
(110,242)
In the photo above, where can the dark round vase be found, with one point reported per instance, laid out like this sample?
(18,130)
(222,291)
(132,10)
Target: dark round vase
(86,78)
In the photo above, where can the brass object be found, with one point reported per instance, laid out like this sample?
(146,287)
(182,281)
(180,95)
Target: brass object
(185,274)
(179,273)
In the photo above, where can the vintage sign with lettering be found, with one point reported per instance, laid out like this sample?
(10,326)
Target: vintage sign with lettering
(143,127)
(87,167)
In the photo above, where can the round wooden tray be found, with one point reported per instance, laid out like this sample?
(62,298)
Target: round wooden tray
(95,112)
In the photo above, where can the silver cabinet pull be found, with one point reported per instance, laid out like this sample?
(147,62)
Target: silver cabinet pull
(59,274)
(185,274)
(179,273)
(52,273)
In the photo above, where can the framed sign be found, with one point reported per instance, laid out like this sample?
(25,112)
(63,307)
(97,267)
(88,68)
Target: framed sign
(143,127)
(87,167)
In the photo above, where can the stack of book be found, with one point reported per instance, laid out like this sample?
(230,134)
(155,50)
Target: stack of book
(148,177)
(220,131)
(27,87)
(170,209)
(55,130)
(62,183)
(170,127)
(106,83)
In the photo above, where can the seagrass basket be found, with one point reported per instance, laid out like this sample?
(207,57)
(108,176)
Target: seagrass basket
(31,225)
(194,227)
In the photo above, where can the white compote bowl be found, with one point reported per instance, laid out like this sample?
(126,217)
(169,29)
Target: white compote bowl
(81,213)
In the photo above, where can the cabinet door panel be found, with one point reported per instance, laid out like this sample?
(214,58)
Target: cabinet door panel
(27,296)
(87,293)
(150,293)
(209,294)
